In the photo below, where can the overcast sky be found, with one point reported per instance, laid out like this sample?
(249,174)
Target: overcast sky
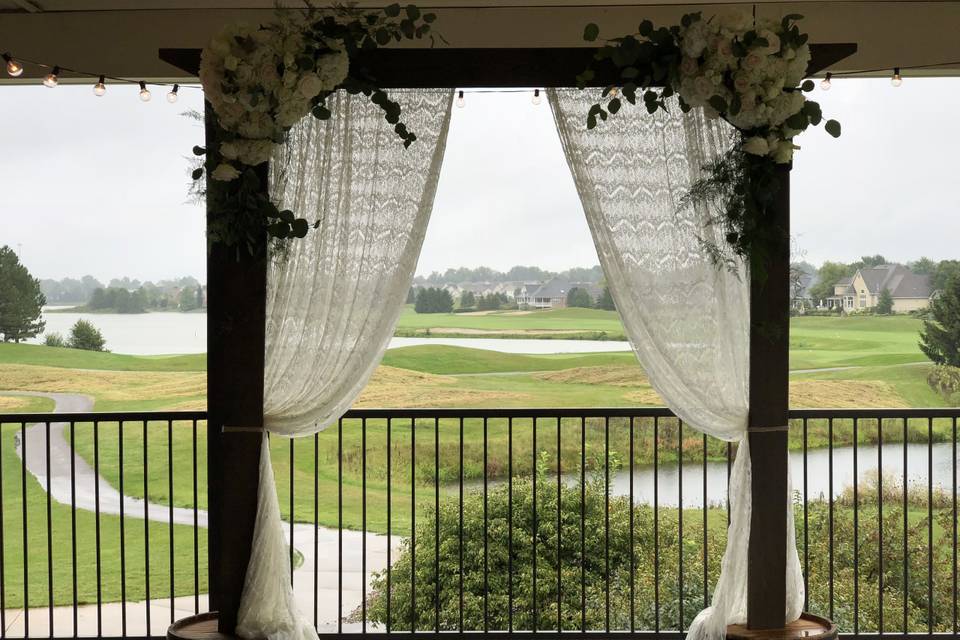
(98,185)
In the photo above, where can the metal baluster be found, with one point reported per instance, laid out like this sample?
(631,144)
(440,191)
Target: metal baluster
(706,600)
(830,512)
(606,520)
(49,535)
(633,604)
(123,534)
(533,472)
(316,524)
(656,524)
(680,592)
(413,526)
(146,526)
(196,528)
(509,525)
(291,507)
(26,550)
(583,529)
(363,525)
(906,532)
(389,518)
(856,532)
(460,531)
(953,473)
(173,591)
(929,524)
(486,589)
(436,525)
(559,530)
(806,524)
(96,505)
(880,524)
(340,525)
(73,530)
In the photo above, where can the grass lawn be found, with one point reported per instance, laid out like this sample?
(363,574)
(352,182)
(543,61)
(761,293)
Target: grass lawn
(32,354)
(818,342)
(60,524)
(552,323)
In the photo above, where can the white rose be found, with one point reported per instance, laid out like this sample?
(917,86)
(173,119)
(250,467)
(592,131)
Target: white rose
(736,21)
(225,173)
(310,85)
(783,153)
(230,63)
(752,61)
(689,66)
(741,83)
(333,69)
(756,146)
(773,42)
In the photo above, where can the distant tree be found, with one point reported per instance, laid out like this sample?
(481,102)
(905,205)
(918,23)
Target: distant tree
(433,300)
(188,299)
(21,301)
(83,335)
(491,301)
(885,302)
(467,299)
(583,274)
(866,262)
(946,269)
(578,297)
(923,266)
(828,275)
(605,301)
(411,295)
(54,340)
(199,297)
(940,336)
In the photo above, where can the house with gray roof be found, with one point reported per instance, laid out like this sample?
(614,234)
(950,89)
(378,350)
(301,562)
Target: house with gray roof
(553,294)
(910,291)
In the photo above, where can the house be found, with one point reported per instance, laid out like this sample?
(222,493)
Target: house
(910,291)
(553,293)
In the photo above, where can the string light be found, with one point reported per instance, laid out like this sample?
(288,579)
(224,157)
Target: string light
(144,92)
(14,68)
(172,96)
(100,88)
(461,102)
(53,78)
(536,96)
(896,80)
(825,83)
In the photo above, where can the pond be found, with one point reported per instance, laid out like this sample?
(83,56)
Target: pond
(818,474)
(160,333)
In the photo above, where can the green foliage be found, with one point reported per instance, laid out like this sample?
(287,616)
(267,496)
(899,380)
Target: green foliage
(190,298)
(578,297)
(54,340)
(83,335)
(492,301)
(885,302)
(944,272)
(603,568)
(411,295)
(827,276)
(605,301)
(467,299)
(940,336)
(433,300)
(945,380)
(21,301)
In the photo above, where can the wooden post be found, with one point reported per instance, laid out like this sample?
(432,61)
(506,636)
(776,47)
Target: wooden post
(769,372)
(236,309)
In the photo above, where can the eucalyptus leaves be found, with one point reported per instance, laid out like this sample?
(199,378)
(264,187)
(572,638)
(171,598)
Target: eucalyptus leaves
(746,71)
(260,81)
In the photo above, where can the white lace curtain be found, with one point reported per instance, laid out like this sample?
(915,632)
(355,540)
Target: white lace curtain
(333,298)
(687,320)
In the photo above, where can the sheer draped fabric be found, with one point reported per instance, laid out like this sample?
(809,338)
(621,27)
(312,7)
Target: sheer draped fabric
(333,298)
(686,319)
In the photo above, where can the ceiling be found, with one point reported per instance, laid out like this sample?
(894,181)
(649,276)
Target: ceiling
(122,37)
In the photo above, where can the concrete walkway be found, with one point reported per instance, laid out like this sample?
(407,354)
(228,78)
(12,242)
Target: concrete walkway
(87,484)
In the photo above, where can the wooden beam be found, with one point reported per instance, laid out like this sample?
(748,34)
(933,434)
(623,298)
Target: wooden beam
(236,310)
(769,400)
(466,68)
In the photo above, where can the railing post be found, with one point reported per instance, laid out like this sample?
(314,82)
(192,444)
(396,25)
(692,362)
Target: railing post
(236,308)
(769,371)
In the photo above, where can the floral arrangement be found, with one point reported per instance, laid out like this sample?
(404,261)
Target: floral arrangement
(261,80)
(749,72)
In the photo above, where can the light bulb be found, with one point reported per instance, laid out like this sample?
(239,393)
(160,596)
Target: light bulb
(172,96)
(896,80)
(536,96)
(52,79)
(461,102)
(144,92)
(100,88)
(14,68)
(825,83)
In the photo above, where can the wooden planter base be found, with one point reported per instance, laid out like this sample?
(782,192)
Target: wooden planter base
(808,627)
(199,627)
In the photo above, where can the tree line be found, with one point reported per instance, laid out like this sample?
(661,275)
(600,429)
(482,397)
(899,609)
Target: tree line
(125,295)
(517,273)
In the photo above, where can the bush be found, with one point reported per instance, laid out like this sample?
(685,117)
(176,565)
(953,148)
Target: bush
(83,335)
(945,380)
(54,340)
(433,300)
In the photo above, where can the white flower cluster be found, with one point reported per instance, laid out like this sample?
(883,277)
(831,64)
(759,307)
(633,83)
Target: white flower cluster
(258,89)
(762,79)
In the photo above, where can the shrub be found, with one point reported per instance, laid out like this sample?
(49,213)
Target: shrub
(945,380)
(54,340)
(83,335)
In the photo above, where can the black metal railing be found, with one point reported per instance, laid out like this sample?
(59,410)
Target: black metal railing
(482,522)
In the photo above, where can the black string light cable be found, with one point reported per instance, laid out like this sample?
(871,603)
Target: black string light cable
(15,68)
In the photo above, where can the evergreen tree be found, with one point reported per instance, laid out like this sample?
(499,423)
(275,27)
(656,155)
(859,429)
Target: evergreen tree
(605,301)
(433,300)
(21,301)
(885,302)
(83,335)
(578,297)
(467,299)
(940,337)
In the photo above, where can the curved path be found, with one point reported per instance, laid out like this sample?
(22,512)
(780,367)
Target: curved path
(88,484)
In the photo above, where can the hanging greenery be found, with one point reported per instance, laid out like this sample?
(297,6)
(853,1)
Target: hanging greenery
(261,80)
(749,72)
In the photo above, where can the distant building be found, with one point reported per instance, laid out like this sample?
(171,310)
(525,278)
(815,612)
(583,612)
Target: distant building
(553,294)
(910,291)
